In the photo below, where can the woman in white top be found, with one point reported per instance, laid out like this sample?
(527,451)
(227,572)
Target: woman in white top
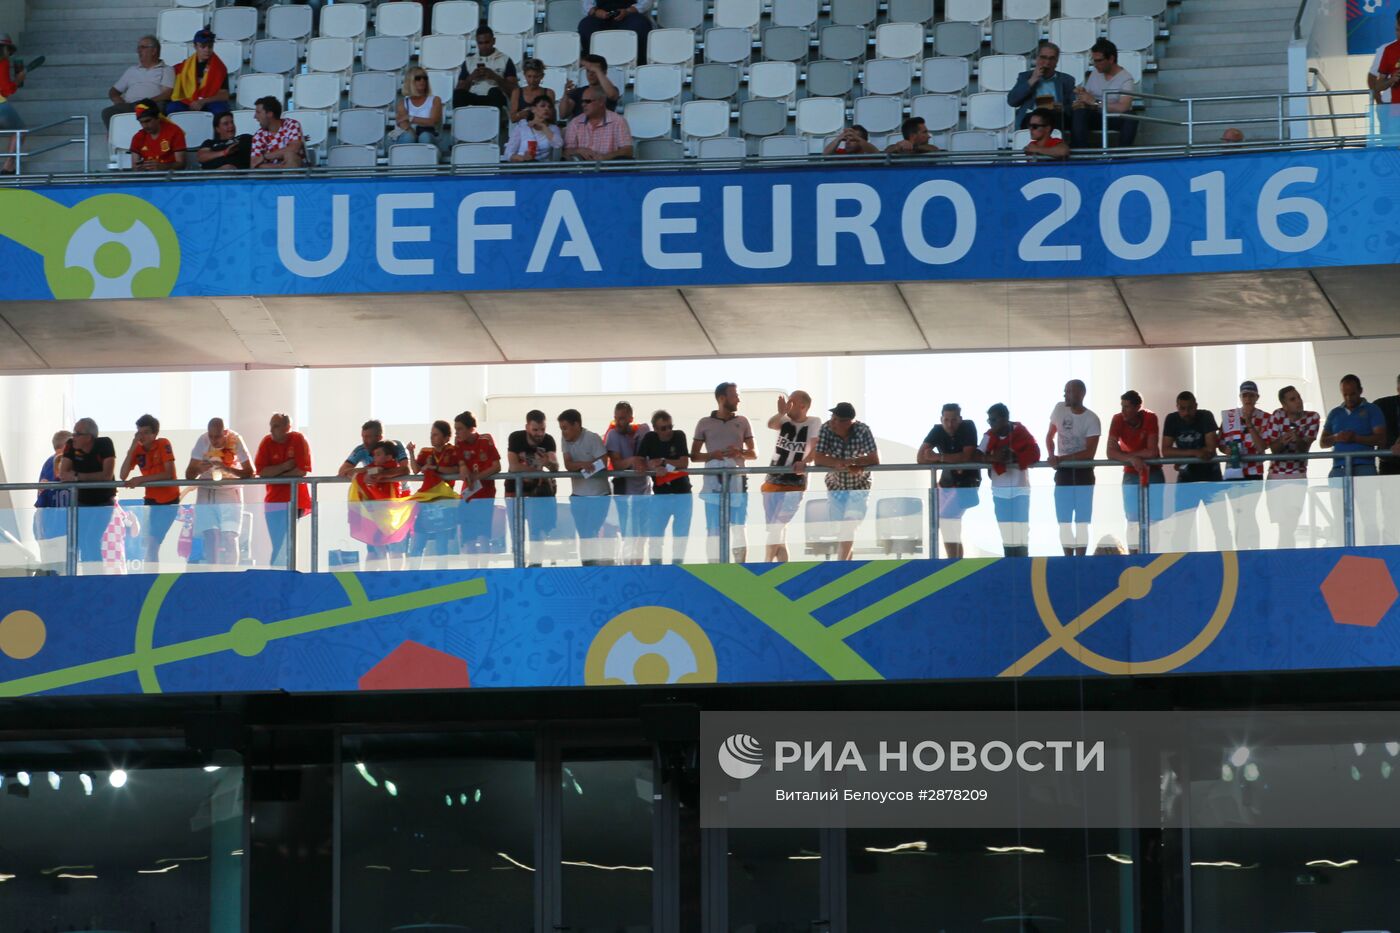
(419,116)
(536,139)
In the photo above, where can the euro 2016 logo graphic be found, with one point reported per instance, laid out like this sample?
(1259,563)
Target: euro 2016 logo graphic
(740,756)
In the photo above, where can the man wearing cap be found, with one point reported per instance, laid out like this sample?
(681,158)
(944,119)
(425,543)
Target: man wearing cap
(201,81)
(1241,435)
(846,446)
(159,145)
(149,79)
(11,80)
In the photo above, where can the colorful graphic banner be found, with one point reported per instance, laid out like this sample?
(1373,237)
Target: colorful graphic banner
(1370,25)
(639,229)
(799,622)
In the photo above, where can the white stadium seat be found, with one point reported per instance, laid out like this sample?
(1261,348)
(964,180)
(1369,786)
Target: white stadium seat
(476,154)
(374,89)
(251,87)
(344,156)
(999,72)
(899,40)
(659,83)
(702,118)
(439,52)
(1132,33)
(289,22)
(235,22)
(879,114)
(334,54)
(476,124)
(671,46)
(649,119)
(722,147)
(399,18)
(407,154)
(316,91)
(345,21)
(782,147)
(557,49)
(457,17)
(967,11)
(888,77)
(940,111)
(512,17)
(738,14)
(618,46)
(773,81)
(1073,35)
(946,75)
(820,116)
(178,25)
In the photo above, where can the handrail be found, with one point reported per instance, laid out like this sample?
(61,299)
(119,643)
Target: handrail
(1322,79)
(21,132)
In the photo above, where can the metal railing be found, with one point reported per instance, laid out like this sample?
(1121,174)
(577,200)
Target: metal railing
(729,477)
(21,134)
(1279,120)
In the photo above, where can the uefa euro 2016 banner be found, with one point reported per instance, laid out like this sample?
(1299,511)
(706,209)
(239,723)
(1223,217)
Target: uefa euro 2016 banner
(633,229)
(701,624)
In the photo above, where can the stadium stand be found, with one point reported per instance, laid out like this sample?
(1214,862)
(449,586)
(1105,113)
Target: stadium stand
(878,61)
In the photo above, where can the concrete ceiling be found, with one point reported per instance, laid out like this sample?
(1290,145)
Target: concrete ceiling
(671,323)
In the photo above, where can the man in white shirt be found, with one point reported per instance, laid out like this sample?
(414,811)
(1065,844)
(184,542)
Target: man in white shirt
(1073,436)
(218,513)
(782,489)
(584,452)
(150,79)
(1089,100)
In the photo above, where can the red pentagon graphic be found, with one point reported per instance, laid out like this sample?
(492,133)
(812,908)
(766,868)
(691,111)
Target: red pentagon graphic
(1359,591)
(412,666)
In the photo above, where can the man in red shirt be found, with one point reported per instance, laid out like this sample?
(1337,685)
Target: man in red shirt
(1133,439)
(1045,139)
(1382,79)
(480,462)
(159,145)
(283,452)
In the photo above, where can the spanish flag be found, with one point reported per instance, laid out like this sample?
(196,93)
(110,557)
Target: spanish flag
(380,513)
(189,87)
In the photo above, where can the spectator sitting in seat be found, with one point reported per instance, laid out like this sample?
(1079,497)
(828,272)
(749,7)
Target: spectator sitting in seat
(9,83)
(1042,86)
(158,145)
(228,148)
(854,140)
(419,115)
(522,99)
(149,79)
(1045,141)
(280,143)
(616,14)
(487,79)
(915,133)
(1108,75)
(595,67)
(595,134)
(201,81)
(536,139)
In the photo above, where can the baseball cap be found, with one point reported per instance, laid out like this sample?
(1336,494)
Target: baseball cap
(844,410)
(6,40)
(1249,386)
(203,37)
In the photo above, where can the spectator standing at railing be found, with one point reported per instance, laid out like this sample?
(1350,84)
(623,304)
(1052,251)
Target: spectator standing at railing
(1043,87)
(219,454)
(1357,426)
(361,459)
(1133,439)
(1073,435)
(724,438)
(782,489)
(1289,430)
(1190,432)
(1242,435)
(595,72)
(159,145)
(280,142)
(201,81)
(847,447)
(153,458)
(51,509)
(585,453)
(623,439)
(1382,79)
(1089,100)
(1390,466)
(282,452)
(596,135)
(418,117)
(531,450)
(953,440)
(599,15)
(487,77)
(664,454)
(853,140)
(1010,449)
(536,139)
(436,520)
(480,461)
(88,458)
(11,80)
(149,79)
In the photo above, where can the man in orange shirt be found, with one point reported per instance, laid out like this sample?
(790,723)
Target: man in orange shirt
(283,452)
(152,455)
(159,145)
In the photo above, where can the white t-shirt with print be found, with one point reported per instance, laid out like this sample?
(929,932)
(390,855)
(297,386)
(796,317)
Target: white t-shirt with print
(1072,432)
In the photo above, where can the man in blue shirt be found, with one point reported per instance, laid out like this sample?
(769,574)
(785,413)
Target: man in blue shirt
(371,433)
(1357,425)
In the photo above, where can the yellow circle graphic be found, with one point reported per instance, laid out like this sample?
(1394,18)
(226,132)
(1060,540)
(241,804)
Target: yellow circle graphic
(22,634)
(1133,583)
(650,645)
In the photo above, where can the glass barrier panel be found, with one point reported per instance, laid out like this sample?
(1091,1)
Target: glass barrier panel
(32,540)
(1377,509)
(400,532)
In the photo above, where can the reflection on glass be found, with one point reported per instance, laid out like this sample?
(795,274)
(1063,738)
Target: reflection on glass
(437,829)
(1056,881)
(606,824)
(774,880)
(136,848)
(32,541)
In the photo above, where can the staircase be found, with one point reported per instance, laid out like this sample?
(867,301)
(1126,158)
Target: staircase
(1222,47)
(88,44)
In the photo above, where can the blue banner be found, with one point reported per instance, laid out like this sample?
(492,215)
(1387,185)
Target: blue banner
(730,624)
(1370,25)
(637,229)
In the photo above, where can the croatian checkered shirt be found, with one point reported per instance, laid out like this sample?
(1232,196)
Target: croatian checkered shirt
(1306,425)
(858,442)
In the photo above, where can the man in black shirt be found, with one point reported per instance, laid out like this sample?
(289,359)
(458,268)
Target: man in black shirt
(228,148)
(953,440)
(1390,466)
(666,455)
(1190,432)
(533,450)
(87,458)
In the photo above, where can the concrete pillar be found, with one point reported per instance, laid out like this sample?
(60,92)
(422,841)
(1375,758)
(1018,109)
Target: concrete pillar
(1218,378)
(25,442)
(254,395)
(339,404)
(1158,375)
(585,378)
(1376,361)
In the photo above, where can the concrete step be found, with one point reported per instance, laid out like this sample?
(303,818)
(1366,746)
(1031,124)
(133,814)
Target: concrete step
(114,60)
(1231,14)
(34,113)
(45,6)
(40,41)
(1240,58)
(92,16)
(48,89)
(1224,75)
(1280,9)
(1224,46)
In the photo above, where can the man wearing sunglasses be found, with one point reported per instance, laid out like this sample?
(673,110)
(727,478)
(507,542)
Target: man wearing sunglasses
(1046,141)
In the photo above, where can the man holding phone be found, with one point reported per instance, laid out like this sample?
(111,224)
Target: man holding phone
(487,78)
(1042,86)
(617,14)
